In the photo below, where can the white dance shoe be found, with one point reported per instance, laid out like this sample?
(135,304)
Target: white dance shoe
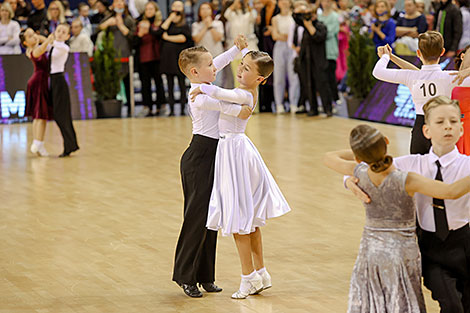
(266,280)
(39,149)
(249,287)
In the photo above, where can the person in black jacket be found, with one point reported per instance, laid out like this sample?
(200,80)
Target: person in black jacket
(448,21)
(313,58)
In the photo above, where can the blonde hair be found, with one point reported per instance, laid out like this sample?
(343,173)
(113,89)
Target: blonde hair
(190,57)
(158,13)
(430,45)
(436,102)
(5,5)
(370,146)
(61,11)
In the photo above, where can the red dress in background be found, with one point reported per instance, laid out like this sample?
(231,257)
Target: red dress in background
(463,95)
(37,91)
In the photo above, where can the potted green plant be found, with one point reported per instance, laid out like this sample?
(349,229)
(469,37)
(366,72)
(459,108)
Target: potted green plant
(107,74)
(361,62)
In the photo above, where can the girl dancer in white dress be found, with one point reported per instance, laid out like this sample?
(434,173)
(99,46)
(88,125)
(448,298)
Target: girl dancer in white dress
(244,194)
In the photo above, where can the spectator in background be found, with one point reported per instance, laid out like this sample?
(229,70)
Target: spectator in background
(343,40)
(266,93)
(83,15)
(55,15)
(394,13)
(448,21)
(241,20)
(189,7)
(122,25)
(383,27)
(331,20)
(148,56)
(21,9)
(9,31)
(420,6)
(80,40)
(408,28)
(209,33)
(176,36)
(464,6)
(313,60)
(37,20)
(100,14)
(283,57)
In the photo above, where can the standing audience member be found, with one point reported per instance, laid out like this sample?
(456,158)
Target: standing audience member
(122,25)
(21,9)
(83,15)
(464,6)
(148,56)
(176,36)
(448,21)
(241,20)
(266,93)
(37,20)
(80,40)
(331,20)
(9,31)
(283,57)
(409,27)
(343,40)
(209,33)
(101,13)
(313,61)
(383,27)
(55,15)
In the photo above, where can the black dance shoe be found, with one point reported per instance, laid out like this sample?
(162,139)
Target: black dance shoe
(312,113)
(210,287)
(191,290)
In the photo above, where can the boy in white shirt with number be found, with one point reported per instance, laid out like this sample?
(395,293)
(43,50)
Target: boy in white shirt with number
(424,84)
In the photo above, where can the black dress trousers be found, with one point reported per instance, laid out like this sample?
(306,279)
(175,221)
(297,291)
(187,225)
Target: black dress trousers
(446,268)
(62,112)
(195,251)
(419,143)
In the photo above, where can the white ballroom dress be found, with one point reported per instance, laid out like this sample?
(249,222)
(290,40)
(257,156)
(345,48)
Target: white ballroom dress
(244,194)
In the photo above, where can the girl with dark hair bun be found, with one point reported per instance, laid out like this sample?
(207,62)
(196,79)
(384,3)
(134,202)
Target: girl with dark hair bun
(37,91)
(387,273)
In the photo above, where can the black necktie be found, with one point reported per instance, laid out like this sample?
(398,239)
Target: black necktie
(440,217)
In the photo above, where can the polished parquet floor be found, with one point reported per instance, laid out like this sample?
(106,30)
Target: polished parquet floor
(96,232)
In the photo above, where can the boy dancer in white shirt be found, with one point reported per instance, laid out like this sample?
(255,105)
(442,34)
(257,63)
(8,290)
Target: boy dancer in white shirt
(429,82)
(444,233)
(195,252)
(60,90)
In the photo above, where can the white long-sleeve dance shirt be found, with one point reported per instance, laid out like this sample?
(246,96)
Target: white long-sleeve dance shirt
(59,56)
(205,110)
(229,123)
(427,83)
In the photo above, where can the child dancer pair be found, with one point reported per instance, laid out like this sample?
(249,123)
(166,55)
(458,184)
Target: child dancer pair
(387,274)
(247,195)
(43,101)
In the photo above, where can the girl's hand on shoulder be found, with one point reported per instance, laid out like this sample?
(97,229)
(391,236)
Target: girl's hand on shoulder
(193,94)
(245,112)
(460,76)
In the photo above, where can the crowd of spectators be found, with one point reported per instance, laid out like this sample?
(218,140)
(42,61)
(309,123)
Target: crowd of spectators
(307,40)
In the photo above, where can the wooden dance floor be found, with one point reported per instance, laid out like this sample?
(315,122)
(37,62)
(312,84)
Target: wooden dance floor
(96,232)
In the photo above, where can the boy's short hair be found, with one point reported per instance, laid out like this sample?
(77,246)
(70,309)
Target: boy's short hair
(190,57)
(430,45)
(436,102)
(64,24)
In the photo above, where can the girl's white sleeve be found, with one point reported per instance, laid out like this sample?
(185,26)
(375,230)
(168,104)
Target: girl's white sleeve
(205,102)
(390,75)
(230,95)
(224,59)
